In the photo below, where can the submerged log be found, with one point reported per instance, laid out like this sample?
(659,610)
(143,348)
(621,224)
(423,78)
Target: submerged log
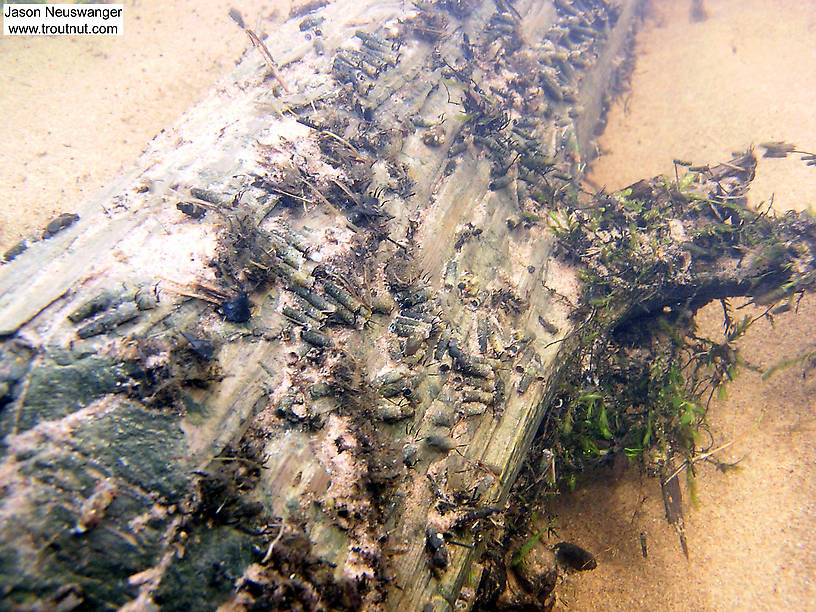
(296,359)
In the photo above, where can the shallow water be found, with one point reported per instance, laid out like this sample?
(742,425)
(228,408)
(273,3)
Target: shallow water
(700,90)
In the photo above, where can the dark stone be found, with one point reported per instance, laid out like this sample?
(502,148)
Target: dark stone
(136,451)
(56,391)
(213,560)
(14,364)
(141,446)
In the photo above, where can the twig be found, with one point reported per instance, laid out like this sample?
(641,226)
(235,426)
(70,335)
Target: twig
(689,462)
(360,156)
(290,195)
(259,44)
(345,190)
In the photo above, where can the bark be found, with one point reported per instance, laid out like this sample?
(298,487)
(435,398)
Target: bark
(328,446)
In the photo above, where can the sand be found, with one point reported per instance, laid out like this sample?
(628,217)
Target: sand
(77,111)
(701,90)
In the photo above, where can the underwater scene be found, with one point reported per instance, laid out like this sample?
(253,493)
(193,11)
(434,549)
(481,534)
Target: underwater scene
(434,305)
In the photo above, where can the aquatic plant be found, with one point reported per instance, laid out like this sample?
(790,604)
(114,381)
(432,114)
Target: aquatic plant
(636,378)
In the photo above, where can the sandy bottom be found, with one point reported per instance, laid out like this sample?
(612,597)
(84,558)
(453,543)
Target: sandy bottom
(751,539)
(701,90)
(77,111)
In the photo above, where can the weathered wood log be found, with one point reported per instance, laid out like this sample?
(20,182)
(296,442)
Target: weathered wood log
(307,343)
